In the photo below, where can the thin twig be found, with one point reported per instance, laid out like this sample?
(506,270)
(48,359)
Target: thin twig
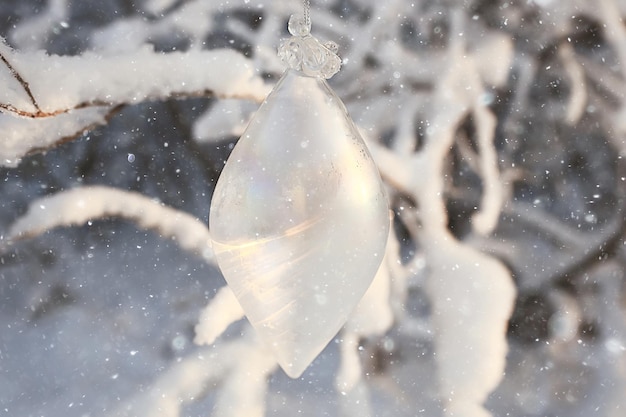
(307,13)
(21,80)
(101,103)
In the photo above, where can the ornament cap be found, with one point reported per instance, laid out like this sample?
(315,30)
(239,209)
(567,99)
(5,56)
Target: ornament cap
(306,54)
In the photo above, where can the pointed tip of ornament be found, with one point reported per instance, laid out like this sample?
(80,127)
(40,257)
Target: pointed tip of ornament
(295,349)
(294,364)
(291,371)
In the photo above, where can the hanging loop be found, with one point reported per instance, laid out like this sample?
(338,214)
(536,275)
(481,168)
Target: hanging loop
(307,13)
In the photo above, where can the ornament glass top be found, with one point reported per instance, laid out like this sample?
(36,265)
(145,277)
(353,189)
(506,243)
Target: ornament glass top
(299,217)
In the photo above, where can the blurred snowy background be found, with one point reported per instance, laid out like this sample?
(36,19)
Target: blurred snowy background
(498,126)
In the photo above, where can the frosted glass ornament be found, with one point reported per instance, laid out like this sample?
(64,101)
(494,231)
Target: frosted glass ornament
(299,218)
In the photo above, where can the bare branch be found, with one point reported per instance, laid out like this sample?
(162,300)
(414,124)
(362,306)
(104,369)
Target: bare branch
(22,82)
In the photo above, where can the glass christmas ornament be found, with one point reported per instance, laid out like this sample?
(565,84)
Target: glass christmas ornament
(299,217)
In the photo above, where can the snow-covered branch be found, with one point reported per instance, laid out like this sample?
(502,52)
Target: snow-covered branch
(472,294)
(50,85)
(79,205)
(64,103)
(241,368)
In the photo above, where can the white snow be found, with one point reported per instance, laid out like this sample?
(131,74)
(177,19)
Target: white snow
(228,117)
(221,312)
(242,366)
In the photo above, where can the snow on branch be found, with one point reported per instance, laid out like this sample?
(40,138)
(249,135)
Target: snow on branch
(472,294)
(221,312)
(241,366)
(58,84)
(65,89)
(23,137)
(77,206)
